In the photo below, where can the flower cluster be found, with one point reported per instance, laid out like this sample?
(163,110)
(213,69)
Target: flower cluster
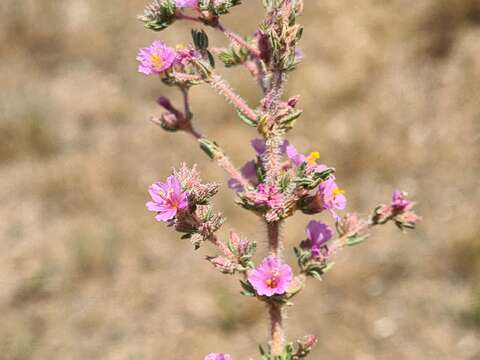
(400,211)
(160,14)
(276,183)
(306,185)
(238,257)
(183,201)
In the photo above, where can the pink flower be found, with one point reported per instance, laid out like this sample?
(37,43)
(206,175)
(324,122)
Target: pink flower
(167,198)
(271,277)
(192,4)
(331,196)
(399,201)
(268,195)
(156,58)
(218,356)
(318,233)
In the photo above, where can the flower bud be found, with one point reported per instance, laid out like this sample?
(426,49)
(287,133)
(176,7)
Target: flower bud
(264,46)
(164,102)
(167,121)
(223,264)
(238,246)
(293,101)
(308,341)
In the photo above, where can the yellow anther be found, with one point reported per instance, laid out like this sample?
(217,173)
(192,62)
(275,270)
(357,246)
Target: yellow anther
(269,282)
(338,191)
(157,60)
(313,157)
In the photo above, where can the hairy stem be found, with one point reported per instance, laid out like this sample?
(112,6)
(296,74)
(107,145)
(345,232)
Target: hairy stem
(237,39)
(186,103)
(277,334)
(276,329)
(273,232)
(221,246)
(223,88)
(225,163)
(222,160)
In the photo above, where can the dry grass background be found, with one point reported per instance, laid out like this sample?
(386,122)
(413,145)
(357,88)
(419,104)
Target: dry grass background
(391,91)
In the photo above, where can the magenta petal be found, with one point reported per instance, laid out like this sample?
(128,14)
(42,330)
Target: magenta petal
(167,215)
(152,206)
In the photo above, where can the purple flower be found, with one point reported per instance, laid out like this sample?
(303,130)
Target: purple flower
(167,198)
(218,356)
(331,196)
(271,277)
(193,4)
(318,233)
(311,160)
(249,172)
(259,146)
(268,195)
(293,154)
(156,58)
(399,201)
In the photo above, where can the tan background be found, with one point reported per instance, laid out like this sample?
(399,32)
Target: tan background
(391,97)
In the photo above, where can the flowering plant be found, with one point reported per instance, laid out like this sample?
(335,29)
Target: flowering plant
(276,184)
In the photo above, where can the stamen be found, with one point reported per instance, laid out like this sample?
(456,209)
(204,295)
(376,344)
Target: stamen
(157,60)
(313,157)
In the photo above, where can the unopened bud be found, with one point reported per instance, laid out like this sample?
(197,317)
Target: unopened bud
(223,264)
(309,341)
(167,121)
(293,101)
(164,102)
(238,245)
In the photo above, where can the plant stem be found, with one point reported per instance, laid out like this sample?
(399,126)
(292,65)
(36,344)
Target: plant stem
(276,329)
(223,88)
(237,39)
(273,232)
(277,334)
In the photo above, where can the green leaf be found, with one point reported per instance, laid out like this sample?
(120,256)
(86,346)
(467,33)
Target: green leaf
(262,351)
(288,121)
(210,148)
(200,39)
(247,120)
(284,182)
(248,289)
(356,239)
(211,60)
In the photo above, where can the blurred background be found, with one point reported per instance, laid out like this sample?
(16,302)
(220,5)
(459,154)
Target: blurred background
(391,93)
